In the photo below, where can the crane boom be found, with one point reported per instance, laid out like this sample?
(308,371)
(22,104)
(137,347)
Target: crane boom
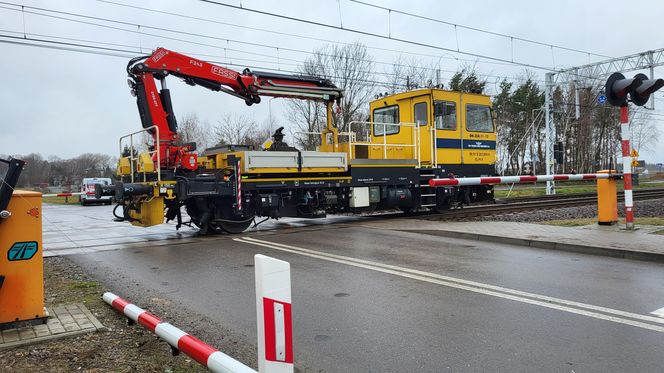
(156,109)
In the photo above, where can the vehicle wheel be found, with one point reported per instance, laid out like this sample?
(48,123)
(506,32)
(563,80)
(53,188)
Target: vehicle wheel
(233,227)
(210,228)
(215,228)
(406,210)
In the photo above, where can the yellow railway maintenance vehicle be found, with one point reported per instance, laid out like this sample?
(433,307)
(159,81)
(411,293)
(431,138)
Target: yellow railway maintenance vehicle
(382,164)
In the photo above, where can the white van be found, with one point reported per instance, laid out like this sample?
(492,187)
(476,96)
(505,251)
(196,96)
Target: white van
(88,187)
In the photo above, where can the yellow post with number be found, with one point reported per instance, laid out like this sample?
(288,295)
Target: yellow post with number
(21,260)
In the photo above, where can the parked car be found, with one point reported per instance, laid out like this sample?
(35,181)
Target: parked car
(88,187)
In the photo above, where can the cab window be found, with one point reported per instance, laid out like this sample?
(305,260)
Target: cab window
(420,110)
(445,116)
(389,114)
(478,118)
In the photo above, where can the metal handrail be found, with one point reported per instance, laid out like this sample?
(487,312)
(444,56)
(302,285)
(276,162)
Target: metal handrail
(415,132)
(131,151)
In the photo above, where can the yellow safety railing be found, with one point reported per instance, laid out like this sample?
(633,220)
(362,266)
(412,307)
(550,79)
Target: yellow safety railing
(133,158)
(415,136)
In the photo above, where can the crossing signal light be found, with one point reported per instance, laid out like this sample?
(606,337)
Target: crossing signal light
(558,152)
(638,89)
(641,93)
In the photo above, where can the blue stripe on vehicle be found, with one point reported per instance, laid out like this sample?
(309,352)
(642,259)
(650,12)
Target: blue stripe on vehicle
(448,143)
(467,144)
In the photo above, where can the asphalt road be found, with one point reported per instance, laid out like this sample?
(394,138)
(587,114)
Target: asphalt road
(376,300)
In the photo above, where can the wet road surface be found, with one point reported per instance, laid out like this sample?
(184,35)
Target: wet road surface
(73,229)
(377,300)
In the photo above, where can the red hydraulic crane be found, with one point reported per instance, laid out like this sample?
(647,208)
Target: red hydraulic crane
(156,109)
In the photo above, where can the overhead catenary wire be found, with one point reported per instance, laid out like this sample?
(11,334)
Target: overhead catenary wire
(129,53)
(306,37)
(456,25)
(227,40)
(375,35)
(200,35)
(124,53)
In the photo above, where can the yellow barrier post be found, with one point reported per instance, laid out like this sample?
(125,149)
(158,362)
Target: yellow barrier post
(607,200)
(21,260)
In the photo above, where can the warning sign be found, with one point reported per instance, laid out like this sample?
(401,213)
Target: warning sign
(634,153)
(22,251)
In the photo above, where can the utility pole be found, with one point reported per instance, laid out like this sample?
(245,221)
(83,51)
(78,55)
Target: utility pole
(550,132)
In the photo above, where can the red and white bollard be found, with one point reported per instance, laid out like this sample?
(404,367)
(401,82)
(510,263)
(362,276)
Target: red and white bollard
(627,167)
(274,319)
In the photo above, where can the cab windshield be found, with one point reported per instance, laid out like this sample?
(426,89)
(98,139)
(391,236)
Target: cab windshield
(478,118)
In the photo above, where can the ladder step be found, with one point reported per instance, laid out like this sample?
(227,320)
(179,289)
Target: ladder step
(428,205)
(428,195)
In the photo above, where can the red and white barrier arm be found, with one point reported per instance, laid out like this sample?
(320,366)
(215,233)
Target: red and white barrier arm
(275,324)
(515,179)
(213,359)
(67,194)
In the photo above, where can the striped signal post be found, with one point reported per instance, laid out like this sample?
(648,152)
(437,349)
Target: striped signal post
(638,89)
(274,321)
(627,166)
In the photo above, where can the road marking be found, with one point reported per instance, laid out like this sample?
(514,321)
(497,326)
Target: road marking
(659,312)
(476,287)
(476,284)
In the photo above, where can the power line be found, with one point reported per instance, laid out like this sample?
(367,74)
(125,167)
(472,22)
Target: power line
(115,52)
(456,25)
(128,53)
(139,26)
(296,35)
(371,34)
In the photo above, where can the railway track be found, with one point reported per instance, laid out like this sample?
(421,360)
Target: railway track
(521,204)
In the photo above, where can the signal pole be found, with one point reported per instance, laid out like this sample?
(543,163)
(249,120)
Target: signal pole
(550,134)
(617,90)
(627,167)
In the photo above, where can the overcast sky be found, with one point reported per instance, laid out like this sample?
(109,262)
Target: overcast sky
(66,103)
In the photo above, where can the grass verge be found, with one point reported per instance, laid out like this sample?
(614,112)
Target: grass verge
(121,348)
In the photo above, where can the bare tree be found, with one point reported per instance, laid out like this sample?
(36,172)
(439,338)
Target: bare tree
(57,171)
(308,118)
(349,67)
(412,74)
(240,129)
(191,129)
(645,133)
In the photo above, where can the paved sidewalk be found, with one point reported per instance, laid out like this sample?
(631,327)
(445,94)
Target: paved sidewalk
(63,321)
(600,240)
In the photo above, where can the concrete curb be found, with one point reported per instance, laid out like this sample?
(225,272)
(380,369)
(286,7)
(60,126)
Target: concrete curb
(541,244)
